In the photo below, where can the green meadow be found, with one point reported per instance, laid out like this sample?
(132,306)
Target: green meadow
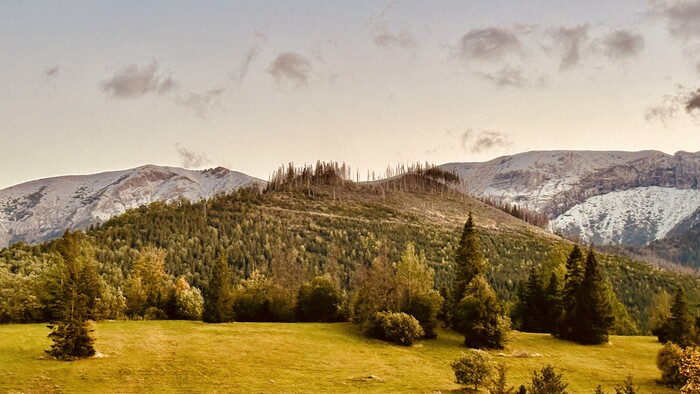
(182,356)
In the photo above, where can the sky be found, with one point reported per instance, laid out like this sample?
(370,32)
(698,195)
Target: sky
(92,86)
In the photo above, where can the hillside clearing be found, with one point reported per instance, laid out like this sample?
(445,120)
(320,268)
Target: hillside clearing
(177,356)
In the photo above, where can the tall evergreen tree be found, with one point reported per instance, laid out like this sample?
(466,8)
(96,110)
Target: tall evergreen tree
(218,298)
(75,288)
(533,306)
(572,282)
(478,314)
(680,328)
(469,261)
(590,315)
(553,297)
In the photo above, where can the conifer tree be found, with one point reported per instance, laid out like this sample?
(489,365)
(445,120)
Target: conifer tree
(680,328)
(478,314)
(553,297)
(75,287)
(589,315)
(218,299)
(469,261)
(533,305)
(572,282)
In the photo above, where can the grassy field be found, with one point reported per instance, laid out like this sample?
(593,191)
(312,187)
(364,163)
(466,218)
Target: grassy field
(178,356)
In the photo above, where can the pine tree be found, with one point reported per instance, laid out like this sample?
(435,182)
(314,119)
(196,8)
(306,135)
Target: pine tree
(218,299)
(553,297)
(572,282)
(592,312)
(478,314)
(75,287)
(680,328)
(534,304)
(469,262)
(479,317)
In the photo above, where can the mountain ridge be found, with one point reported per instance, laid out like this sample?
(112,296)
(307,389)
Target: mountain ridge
(38,210)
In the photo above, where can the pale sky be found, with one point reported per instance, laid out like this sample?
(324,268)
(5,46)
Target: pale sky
(89,86)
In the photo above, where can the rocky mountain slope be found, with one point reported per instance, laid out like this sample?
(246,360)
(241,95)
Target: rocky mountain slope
(628,198)
(42,209)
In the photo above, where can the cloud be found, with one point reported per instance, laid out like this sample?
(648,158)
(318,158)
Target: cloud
(51,72)
(291,67)
(488,44)
(672,104)
(570,40)
(384,37)
(132,82)
(693,103)
(622,44)
(242,72)
(191,159)
(511,76)
(201,103)
(483,140)
(682,17)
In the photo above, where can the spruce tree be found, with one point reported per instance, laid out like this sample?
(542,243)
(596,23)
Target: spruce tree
(74,286)
(572,282)
(469,262)
(591,316)
(218,298)
(478,314)
(533,304)
(680,328)
(553,298)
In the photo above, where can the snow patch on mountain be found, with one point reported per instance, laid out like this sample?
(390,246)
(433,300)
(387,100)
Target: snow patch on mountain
(42,209)
(629,217)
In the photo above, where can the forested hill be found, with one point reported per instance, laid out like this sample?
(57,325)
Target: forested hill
(294,231)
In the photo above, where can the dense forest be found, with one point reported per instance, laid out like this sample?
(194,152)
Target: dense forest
(312,221)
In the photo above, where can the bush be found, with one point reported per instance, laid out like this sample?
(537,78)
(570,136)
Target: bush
(547,382)
(478,317)
(397,327)
(474,368)
(258,299)
(319,300)
(189,303)
(425,307)
(668,360)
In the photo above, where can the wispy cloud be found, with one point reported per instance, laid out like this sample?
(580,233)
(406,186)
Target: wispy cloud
(51,72)
(512,76)
(133,81)
(291,68)
(250,56)
(682,17)
(622,44)
(692,106)
(488,45)
(671,105)
(570,41)
(201,103)
(190,159)
(483,140)
(383,36)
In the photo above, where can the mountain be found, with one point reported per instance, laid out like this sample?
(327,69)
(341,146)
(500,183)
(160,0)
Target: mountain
(603,197)
(39,210)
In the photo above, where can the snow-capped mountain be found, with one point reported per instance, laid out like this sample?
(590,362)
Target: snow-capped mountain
(628,198)
(43,209)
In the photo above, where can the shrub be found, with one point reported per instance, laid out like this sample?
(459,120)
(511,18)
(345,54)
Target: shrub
(668,360)
(397,327)
(547,382)
(319,300)
(499,385)
(425,307)
(189,303)
(258,299)
(474,368)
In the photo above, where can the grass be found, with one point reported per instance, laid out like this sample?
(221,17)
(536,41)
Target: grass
(179,356)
